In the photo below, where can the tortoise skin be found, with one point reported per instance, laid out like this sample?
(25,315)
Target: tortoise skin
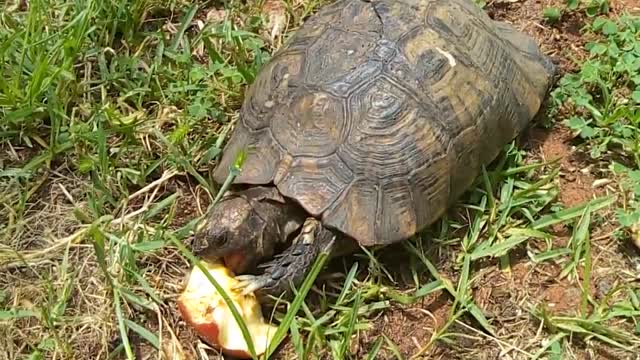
(377,115)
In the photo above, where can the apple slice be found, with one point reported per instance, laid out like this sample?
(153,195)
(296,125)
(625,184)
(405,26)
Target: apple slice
(204,309)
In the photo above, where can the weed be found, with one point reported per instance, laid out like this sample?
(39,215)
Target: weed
(591,8)
(600,105)
(606,95)
(552,14)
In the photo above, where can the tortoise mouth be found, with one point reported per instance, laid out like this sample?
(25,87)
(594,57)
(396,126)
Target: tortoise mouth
(236,262)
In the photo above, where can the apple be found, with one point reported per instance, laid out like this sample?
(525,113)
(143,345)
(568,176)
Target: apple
(204,309)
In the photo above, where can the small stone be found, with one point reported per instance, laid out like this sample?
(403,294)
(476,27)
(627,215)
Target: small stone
(600,183)
(586,170)
(603,286)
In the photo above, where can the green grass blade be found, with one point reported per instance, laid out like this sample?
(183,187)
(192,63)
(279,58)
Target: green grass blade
(463,284)
(14,314)
(155,209)
(526,168)
(573,212)
(375,349)
(186,22)
(146,286)
(347,283)
(353,318)
(150,337)
(135,299)
(583,235)
(393,347)
(148,246)
(498,249)
(551,254)
(122,327)
(554,340)
(429,288)
(488,189)
(296,340)
(280,334)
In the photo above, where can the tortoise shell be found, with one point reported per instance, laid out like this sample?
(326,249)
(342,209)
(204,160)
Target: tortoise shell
(376,115)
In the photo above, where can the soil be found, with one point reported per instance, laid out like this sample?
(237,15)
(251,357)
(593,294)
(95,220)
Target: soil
(562,41)
(409,327)
(577,180)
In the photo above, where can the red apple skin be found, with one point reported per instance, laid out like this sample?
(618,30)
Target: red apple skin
(208,332)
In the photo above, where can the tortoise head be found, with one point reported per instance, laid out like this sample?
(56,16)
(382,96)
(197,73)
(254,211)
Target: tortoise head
(244,228)
(229,231)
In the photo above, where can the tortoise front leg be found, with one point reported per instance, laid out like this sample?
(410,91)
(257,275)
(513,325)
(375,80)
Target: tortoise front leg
(291,266)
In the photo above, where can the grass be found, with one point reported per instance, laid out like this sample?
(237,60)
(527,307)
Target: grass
(111,113)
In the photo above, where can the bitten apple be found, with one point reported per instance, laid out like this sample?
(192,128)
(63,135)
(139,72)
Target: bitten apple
(204,309)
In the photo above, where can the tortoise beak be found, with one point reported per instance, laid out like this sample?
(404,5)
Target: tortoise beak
(236,262)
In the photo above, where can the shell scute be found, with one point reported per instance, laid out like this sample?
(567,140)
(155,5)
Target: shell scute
(336,54)
(316,182)
(271,88)
(311,123)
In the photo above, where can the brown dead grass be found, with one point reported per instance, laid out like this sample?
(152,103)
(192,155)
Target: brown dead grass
(37,281)
(33,276)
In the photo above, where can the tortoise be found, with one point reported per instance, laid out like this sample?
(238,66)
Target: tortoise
(363,129)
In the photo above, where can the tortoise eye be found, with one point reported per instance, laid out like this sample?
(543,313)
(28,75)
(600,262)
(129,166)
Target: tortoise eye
(222,239)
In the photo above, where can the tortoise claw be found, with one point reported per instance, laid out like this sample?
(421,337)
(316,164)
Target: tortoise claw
(250,283)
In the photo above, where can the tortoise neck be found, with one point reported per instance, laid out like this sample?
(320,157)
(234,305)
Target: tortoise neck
(282,216)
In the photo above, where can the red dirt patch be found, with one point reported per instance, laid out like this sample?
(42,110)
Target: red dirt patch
(409,327)
(576,179)
(562,298)
(562,41)
(631,6)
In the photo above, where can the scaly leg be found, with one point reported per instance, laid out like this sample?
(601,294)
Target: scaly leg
(293,265)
